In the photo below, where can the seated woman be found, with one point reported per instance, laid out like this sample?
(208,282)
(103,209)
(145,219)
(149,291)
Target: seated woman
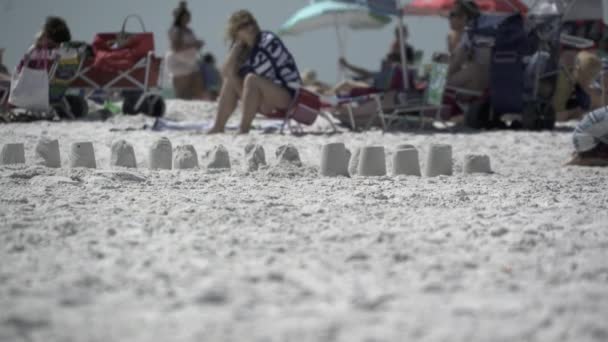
(572,99)
(367,82)
(259,70)
(183,55)
(54,32)
(469,65)
(591,139)
(396,47)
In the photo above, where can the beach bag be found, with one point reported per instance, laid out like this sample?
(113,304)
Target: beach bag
(30,88)
(121,50)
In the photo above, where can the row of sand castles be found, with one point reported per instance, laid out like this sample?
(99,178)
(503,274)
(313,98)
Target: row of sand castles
(336,159)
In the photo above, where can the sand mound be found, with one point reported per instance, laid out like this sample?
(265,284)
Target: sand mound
(219,158)
(255,157)
(123,155)
(185,157)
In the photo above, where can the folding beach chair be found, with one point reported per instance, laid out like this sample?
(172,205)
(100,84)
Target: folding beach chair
(393,108)
(305,108)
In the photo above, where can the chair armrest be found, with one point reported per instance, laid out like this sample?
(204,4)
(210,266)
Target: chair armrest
(465,92)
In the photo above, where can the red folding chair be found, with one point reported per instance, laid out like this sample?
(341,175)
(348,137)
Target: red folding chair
(304,109)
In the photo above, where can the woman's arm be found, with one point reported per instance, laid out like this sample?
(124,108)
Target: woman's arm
(362,73)
(457,60)
(229,69)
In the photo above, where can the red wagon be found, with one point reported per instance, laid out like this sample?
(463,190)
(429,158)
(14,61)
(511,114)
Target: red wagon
(123,63)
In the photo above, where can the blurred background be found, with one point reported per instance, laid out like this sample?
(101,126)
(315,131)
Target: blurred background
(20,20)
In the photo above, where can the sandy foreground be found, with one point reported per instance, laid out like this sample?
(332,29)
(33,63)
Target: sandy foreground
(284,255)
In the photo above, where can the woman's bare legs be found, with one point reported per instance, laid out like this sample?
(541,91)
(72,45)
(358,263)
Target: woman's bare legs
(258,94)
(261,94)
(229,97)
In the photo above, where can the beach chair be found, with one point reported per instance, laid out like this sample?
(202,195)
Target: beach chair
(412,106)
(305,108)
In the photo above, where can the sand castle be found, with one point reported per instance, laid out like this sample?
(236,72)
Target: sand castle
(185,157)
(160,155)
(82,154)
(220,158)
(12,154)
(372,161)
(288,154)
(474,163)
(439,161)
(122,155)
(255,157)
(47,152)
(406,162)
(334,160)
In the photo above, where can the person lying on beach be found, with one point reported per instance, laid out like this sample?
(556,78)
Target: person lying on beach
(590,139)
(389,77)
(259,70)
(311,83)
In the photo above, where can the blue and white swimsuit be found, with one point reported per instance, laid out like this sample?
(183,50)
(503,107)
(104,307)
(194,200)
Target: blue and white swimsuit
(270,59)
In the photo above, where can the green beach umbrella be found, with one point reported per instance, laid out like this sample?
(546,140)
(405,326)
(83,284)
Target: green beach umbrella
(333,13)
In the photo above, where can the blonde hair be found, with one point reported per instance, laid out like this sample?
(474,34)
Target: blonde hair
(237,21)
(587,67)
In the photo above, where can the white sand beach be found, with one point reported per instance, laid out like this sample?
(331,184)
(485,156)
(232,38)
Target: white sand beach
(281,254)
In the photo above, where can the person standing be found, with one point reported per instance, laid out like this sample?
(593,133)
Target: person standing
(183,56)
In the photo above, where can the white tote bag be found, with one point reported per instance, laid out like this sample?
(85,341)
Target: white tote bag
(30,88)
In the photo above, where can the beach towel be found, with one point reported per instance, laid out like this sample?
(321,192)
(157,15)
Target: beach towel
(162,124)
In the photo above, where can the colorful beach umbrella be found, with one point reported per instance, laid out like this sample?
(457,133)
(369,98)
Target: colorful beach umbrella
(332,13)
(442,7)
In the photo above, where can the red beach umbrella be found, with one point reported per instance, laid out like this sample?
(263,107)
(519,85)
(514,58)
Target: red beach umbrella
(442,7)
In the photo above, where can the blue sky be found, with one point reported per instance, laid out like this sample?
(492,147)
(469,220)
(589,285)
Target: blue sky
(21,19)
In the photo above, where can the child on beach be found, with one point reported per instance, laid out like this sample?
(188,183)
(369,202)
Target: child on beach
(591,139)
(259,70)
(212,79)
